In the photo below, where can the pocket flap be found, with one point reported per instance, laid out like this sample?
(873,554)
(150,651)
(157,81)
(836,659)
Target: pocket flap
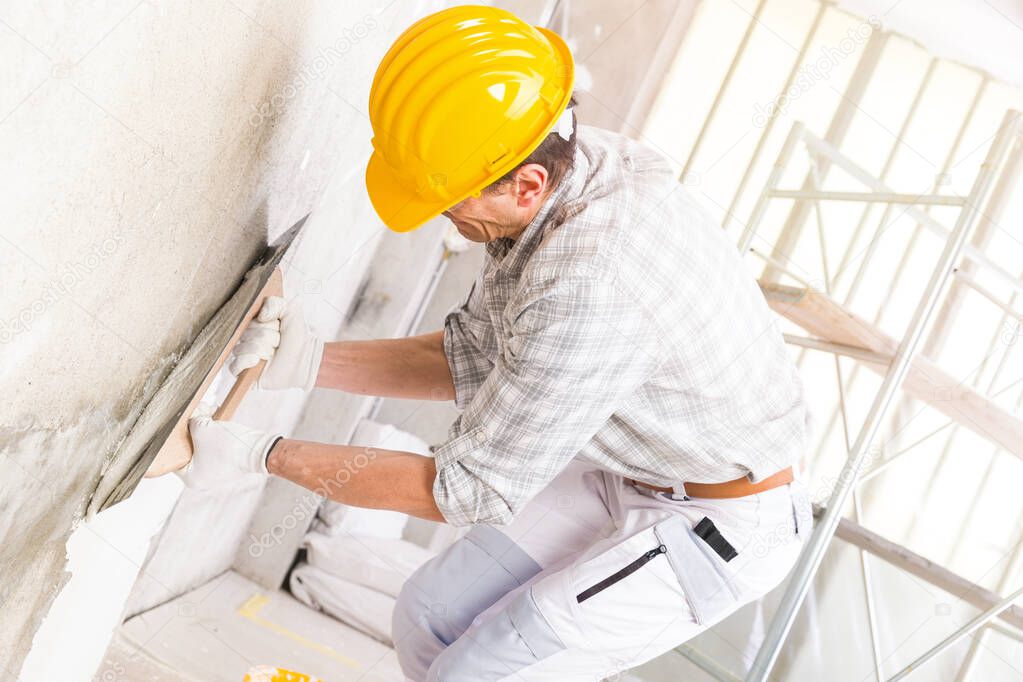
(710,592)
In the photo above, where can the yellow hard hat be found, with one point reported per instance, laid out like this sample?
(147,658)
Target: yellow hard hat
(461,98)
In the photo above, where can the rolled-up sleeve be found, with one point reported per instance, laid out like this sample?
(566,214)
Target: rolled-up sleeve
(468,345)
(576,349)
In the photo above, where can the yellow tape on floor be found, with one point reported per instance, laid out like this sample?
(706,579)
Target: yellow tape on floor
(268,673)
(251,609)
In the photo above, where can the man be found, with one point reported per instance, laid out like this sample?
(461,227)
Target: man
(629,417)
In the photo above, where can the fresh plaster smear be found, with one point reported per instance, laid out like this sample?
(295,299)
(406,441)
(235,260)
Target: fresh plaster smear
(105,554)
(170,401)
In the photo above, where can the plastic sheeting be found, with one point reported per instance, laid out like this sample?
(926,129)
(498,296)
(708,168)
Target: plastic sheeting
(356,559)
(356,579)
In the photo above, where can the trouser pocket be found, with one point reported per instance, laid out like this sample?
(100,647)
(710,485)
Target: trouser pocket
(697,556)
(620,574)
(631,598)
(621,590)
(501,648)
(700,564)
(802,511)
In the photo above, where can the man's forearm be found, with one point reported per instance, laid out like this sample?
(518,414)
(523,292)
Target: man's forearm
(359,476)
(413,367)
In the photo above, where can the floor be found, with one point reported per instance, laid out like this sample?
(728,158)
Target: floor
(219,631)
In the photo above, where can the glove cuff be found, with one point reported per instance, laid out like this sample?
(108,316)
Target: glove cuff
(266,458)
(261,452)
(294,366)
(312,359)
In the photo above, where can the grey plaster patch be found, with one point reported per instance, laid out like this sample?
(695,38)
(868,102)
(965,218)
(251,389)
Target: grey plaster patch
(35,523)
(140,447)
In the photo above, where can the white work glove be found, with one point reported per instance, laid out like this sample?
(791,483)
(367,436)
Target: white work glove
(223,450)
(279,335)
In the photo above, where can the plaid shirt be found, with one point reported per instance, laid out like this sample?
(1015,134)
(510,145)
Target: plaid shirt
(623,328)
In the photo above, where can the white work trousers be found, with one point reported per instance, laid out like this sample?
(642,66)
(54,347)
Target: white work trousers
(595,576)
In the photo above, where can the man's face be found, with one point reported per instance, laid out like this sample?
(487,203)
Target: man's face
(487,217)
(502,211)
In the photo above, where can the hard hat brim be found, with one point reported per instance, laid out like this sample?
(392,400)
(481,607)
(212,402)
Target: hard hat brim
(400,209)
(403,210)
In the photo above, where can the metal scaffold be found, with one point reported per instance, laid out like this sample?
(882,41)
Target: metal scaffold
(836,329)
(820,312)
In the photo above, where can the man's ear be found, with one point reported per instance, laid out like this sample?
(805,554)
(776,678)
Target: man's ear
(530,184)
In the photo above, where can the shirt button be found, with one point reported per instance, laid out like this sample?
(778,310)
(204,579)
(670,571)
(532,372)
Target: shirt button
(481,437)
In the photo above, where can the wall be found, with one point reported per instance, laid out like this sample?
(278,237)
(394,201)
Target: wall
(104,556)
(621,49)
(148,150)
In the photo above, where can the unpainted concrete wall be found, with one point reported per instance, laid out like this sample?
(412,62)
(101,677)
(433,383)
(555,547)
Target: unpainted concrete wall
(147,150)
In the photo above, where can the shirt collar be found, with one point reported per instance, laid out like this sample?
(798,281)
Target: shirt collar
(512,255)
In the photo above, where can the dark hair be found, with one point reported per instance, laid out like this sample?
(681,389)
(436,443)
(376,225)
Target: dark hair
(555,153)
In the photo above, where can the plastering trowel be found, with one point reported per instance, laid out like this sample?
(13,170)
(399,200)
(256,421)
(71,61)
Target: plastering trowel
(158,442)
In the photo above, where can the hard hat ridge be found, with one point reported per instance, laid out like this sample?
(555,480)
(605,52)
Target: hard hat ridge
(462,97)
